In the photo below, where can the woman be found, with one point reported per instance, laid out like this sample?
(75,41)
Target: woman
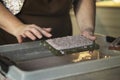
(41,19)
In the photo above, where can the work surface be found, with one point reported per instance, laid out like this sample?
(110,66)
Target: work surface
(69,67)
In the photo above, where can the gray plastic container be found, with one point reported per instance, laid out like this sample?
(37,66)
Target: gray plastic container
(35,62)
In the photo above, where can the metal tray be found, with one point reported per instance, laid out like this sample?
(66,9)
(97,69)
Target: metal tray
(35,62)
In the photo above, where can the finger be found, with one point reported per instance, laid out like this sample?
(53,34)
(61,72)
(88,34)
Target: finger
(23,35)
(30,35)
(45,33)
(89,36)
(19,38)
(36,33)
(48,29)
(92,37)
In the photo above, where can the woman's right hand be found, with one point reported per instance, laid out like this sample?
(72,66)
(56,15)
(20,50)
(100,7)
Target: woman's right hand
(14,26)
(31,31)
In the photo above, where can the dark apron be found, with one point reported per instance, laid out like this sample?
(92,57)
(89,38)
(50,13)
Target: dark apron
(44,13)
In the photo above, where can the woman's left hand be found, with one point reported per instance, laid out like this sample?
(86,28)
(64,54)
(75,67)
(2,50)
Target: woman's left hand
(89,34)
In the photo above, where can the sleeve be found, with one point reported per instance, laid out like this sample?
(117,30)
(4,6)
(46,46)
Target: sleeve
(14,6)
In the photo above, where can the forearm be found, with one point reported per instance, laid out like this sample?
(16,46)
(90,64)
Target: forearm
(8,21)
(85,14)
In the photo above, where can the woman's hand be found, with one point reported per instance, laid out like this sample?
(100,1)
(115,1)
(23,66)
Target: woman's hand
(31,31)
(14,26)
(89,34)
